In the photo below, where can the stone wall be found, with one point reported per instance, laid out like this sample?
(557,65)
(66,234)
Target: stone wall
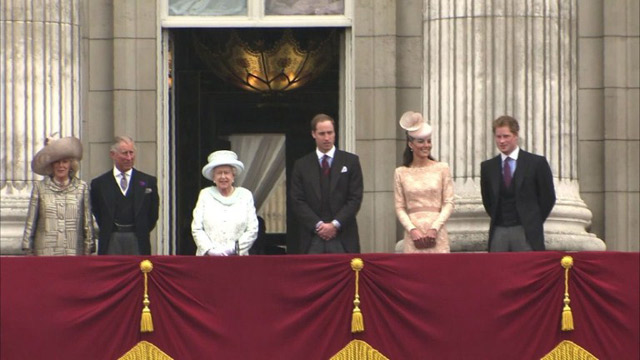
(609,119)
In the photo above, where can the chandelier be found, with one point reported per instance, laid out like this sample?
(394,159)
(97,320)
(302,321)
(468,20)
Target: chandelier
(265,63)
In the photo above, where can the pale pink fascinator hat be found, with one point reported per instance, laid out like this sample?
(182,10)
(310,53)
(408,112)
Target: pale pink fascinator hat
(414,124)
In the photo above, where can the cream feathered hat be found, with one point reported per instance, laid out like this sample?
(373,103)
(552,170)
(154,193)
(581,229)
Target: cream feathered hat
(414,124)
(56,149)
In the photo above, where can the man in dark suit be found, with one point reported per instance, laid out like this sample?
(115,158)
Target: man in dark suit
(326,193)
(517,192)
(124,202)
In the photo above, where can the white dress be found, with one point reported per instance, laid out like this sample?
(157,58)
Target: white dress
(219,221)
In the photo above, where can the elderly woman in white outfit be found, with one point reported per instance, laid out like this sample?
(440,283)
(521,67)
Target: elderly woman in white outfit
(224,219)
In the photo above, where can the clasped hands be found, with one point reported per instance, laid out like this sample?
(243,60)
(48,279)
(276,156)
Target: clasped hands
(222,250)
(326,231)
(423,240)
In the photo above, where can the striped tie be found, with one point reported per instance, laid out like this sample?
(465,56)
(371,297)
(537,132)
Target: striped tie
(506,171)
(123,182)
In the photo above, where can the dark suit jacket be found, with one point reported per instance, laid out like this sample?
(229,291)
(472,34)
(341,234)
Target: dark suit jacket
(535,194)
(104,190)
(346,197)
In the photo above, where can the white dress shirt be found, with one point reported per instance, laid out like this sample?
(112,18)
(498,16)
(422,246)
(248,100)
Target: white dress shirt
(329,153)
(513,156)
(117,174)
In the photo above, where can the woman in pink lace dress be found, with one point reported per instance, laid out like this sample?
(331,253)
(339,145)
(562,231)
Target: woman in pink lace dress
(423,191)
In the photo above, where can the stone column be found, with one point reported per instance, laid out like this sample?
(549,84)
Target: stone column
(484,59)
(39,96)
(375,49)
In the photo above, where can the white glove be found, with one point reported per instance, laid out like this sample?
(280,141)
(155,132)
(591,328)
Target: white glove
(222,250)
(216,251)
(230,249)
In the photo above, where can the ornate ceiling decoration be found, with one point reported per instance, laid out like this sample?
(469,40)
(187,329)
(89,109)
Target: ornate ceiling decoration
(268,61)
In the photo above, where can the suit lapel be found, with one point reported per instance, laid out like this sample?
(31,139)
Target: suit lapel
(521,168)
(496,175)
(109,192)
(314,171)
(138,188)
(336,167)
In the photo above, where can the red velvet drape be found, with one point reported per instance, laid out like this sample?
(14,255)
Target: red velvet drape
(449,306)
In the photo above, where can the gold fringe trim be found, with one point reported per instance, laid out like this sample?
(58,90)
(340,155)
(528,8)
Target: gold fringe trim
(568,350)
(567,316)
(145,351)
(358,350)
(357,321)
(146,322)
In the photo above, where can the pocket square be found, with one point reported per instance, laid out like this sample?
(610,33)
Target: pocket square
(344,169)
(148,190)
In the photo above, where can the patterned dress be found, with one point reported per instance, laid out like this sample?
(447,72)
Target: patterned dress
(59,221)
(424,200)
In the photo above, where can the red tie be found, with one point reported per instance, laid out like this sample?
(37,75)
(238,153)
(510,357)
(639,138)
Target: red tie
(325,165)
(506,171)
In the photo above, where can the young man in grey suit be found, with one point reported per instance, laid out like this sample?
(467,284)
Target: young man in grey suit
(326,193)
(125,203)
(517,192)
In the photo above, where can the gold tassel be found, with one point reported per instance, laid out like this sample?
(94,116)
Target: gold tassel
(146,322)
(357,322)
(567,316)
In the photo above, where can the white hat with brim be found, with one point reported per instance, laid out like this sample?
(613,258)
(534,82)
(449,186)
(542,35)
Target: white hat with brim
(59,149)
(219,158)
(414,124)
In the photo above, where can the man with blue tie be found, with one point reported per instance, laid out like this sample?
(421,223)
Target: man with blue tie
(517,192)
(125,203)
(326,193)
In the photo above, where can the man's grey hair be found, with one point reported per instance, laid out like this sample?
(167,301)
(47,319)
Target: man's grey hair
(122,139)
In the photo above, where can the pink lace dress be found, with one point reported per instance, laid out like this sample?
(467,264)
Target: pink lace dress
(424,200)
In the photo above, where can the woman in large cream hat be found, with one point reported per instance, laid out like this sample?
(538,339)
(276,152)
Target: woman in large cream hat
(59,219)
(224,219)
(423,190)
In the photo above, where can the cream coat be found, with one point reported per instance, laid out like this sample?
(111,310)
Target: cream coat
(59,220)
(219,221)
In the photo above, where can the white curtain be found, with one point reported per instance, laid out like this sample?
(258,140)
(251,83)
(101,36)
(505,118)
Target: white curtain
(263,156)
(207,7)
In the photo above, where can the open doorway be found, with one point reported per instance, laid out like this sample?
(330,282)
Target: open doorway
(211,113)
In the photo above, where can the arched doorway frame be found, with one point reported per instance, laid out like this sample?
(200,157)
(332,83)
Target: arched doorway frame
(166,157)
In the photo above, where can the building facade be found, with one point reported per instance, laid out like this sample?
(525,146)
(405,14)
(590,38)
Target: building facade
(568,70)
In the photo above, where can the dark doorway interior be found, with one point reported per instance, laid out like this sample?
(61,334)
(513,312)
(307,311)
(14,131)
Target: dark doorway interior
(207,109)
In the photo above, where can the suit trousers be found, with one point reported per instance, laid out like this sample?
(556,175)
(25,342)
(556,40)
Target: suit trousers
(320,246)
(509,238)
(123,243)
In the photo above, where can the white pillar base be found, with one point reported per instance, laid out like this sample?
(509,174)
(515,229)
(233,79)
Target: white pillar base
(13,212)
(565,229)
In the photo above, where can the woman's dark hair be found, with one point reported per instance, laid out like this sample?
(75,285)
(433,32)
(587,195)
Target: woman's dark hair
(407,156)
